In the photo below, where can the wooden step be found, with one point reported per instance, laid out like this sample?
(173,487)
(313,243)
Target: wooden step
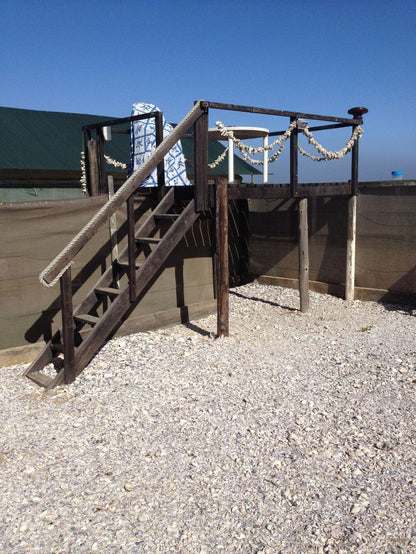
(57,347)
(147,240)
(167,217)
(124,263)
(40,378)
(107,291)
(87,318)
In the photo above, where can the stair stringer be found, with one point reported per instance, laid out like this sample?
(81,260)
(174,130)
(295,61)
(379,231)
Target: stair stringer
(113,317)
(122,305)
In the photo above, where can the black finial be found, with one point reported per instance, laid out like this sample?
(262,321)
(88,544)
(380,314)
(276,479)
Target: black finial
(358,112)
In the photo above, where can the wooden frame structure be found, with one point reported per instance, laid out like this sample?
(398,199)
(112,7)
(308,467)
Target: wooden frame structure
(198,199)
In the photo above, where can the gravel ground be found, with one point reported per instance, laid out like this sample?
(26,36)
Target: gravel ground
(295,434)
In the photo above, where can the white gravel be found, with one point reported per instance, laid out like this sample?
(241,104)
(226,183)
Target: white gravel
(295,434)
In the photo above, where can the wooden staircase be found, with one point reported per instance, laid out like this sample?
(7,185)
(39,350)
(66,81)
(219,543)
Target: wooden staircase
(85,331)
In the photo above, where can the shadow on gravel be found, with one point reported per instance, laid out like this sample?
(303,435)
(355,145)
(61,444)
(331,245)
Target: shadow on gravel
(264,301)
(406,309)
(197,329)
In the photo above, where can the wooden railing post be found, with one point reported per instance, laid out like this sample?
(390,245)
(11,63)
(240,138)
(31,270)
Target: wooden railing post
(201,161)
(221,195)
(131,238)
(303,239)
(303,254)
(161,166)
(67,326)
(91,161)
(102,183)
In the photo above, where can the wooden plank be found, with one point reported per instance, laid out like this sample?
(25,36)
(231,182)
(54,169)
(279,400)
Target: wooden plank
(165,217)
(201,163)
(148,240)
(113,317)
(67,325)
(107,291)
(303,250)
(43,358)
(87,318)
(304,190)
(222,258)
(89,230)
(40,378)
(119,121)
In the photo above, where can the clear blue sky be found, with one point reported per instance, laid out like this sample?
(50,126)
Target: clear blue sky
(100,56)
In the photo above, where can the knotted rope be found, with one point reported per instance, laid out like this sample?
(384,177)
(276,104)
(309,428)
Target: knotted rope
(327,155)
(108,160)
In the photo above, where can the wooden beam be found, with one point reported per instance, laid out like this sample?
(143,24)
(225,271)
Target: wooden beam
(284,113)
(303,255)
(304,190)
(222,258)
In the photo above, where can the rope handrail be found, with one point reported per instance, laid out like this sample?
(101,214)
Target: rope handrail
(59,264)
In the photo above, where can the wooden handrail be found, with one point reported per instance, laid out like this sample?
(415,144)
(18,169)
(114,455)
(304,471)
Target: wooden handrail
(61,261)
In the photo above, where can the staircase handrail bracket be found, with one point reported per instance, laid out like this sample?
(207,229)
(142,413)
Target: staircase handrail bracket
(51,274)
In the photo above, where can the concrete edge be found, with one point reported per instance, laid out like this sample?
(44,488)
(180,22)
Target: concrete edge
(360,293)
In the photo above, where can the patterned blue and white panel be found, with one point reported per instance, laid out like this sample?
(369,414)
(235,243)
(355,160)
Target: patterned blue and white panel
(143,143)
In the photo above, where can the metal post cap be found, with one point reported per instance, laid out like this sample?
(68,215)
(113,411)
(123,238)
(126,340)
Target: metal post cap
(358,111)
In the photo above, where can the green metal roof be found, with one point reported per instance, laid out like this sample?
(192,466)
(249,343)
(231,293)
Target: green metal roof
(32,139)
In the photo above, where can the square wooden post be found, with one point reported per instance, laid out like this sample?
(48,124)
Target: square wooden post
(221,214)
(303,250)
(303,239)
(67,326)
(201,161)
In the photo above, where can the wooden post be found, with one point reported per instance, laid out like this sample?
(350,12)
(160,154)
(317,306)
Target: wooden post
(131,245)
(67,326)
(201,162)
(303,255)
(93,174)
(303,242)
(221,199)
(101,161)
(161,165)
(113,226)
